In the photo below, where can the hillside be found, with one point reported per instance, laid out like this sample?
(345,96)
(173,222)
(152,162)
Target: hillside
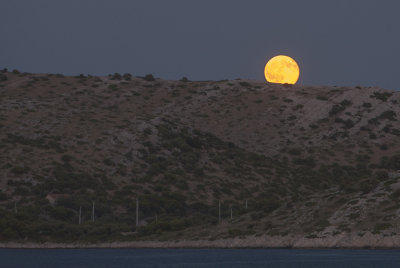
(308,161)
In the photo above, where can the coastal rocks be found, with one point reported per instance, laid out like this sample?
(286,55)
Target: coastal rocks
(353,240)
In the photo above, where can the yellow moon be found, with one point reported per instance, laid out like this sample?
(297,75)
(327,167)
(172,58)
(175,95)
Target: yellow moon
(282,69)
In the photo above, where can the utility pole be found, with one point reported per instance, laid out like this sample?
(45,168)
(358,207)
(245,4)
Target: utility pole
(219,211)
(137,211)
(80,215)
(93,212)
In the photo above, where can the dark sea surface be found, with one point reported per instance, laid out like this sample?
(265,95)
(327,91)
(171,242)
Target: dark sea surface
(198,258)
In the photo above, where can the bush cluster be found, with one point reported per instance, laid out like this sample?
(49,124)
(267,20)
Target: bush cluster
(337,108)
(383,96)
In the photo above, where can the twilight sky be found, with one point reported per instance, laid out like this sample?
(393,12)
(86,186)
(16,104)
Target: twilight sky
(337,42)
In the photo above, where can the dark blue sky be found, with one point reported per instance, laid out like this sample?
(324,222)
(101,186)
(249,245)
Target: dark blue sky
(341,42)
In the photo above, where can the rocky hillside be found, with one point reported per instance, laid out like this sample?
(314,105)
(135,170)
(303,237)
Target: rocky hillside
(280,159)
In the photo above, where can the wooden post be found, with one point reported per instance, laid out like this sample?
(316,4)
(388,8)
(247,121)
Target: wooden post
(80,215)
(246,204)
(137,211)
(93,212)
(219,211)
(156,218)
(15,207)
(231,213)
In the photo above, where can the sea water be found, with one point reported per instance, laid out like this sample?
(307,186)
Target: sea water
(198,258)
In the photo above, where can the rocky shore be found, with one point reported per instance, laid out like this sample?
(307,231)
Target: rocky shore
(367,240)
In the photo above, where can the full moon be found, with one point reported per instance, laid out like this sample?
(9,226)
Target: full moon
(282,69)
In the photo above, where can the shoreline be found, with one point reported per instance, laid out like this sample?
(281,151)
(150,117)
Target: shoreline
(341,241)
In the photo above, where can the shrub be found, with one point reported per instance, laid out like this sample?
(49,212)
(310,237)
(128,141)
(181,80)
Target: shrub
(372,136)
(298,106)
(363,158)
(346,123)
(309,161)
(244,84)
(379,227)
(322,224)
(69,202)
(66,178)
(21,190)
(295,151)
(388,115)
(395,195)
(15,71)
(391,162)
(113,87)
(67,158)
(386,128)
(345,103)
(116,76)
(239,232)
(383,96)
(184,79)
(108,162)
(18,170)
(148,77)
(336,108)
(267,205)
(147,131)
(367,105)
(323,98)
(3,196)
(395,131)
(62,213)
(127,76)
(381,174)
(354,216)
